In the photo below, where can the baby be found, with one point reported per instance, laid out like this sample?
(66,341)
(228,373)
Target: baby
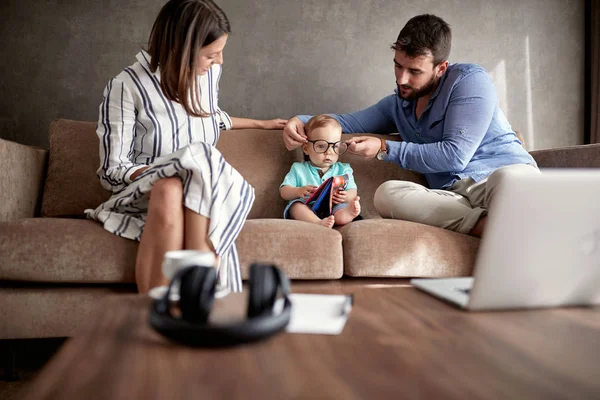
(322,150)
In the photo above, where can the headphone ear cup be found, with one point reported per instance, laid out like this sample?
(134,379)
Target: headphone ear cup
(197,294)
(263,290)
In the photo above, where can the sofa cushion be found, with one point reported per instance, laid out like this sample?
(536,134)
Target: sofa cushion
(301,249)
(71,182)
(56,311)
(393,248)
(64,250)
(262,159)
(81,251)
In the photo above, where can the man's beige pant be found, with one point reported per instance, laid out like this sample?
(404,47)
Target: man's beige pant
(458,208)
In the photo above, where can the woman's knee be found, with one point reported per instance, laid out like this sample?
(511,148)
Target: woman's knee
(166,198)
(167,189)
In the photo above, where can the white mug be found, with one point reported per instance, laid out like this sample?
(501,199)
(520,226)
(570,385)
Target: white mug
(179,259)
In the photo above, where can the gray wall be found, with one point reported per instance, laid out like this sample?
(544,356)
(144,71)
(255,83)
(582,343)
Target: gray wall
(287,57)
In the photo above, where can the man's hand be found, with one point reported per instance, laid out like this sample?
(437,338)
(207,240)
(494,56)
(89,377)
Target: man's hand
(365,146)
(293,134)
(137,173)
(306,191)
(277,123)
(340,196)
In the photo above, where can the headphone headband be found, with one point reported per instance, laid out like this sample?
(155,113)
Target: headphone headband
(266,281)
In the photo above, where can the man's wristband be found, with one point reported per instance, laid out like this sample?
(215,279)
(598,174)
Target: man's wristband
(382,152)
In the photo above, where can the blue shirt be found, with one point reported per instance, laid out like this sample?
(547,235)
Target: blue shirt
(304,173)
(462,132)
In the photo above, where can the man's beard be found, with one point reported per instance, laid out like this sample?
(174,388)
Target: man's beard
(417,93)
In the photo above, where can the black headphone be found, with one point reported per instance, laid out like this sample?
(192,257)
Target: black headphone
(196,297)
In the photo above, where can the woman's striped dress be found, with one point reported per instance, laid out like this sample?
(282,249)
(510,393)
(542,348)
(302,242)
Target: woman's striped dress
(139,126)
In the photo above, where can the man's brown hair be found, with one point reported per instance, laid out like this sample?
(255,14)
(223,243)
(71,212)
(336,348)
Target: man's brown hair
(181,28)
(424,34)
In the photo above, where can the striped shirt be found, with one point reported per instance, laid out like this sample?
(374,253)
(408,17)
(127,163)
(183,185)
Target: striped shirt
(138,123)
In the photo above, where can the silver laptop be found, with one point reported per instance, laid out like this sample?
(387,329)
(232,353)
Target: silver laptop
(541,246)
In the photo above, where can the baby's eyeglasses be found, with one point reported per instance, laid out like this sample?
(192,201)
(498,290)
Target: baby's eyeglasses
(321,146)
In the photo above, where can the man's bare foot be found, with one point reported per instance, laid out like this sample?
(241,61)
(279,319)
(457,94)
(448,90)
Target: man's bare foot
(327,222)
(348,213)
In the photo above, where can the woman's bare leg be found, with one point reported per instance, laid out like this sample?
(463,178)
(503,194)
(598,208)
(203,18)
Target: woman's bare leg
(163,232)
(196,233)
(301,212)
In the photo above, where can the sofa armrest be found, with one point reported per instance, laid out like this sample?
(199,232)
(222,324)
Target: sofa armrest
(582,156)
(22,170)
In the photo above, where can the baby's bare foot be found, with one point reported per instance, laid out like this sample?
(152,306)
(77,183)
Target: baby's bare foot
(355,207)
(348,213)
(327,222)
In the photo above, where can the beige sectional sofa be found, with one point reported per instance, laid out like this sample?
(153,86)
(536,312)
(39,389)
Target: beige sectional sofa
(55,266)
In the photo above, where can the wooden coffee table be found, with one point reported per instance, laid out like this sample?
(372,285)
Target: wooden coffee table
(397,343)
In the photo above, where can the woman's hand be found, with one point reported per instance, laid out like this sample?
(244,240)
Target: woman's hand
(340,196)
(306,191)
(293,134)
(276,123)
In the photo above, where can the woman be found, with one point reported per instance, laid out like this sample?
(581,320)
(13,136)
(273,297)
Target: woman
(158,125)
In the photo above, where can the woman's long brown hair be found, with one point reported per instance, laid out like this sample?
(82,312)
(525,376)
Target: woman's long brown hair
(180,30)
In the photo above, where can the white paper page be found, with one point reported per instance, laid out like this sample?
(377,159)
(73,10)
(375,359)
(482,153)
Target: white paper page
(317,313)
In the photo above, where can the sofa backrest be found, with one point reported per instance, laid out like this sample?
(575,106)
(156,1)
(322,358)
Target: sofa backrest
(262,159)
(259,155)
(72,185)
(579,156)
(22,170)
(71,181)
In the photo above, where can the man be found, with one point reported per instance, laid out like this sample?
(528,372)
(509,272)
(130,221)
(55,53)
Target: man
(452,131)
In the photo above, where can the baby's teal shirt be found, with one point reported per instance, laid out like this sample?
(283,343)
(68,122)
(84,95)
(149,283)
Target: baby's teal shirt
(304,173)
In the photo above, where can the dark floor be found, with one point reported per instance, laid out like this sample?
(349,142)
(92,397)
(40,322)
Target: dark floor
(20,360)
